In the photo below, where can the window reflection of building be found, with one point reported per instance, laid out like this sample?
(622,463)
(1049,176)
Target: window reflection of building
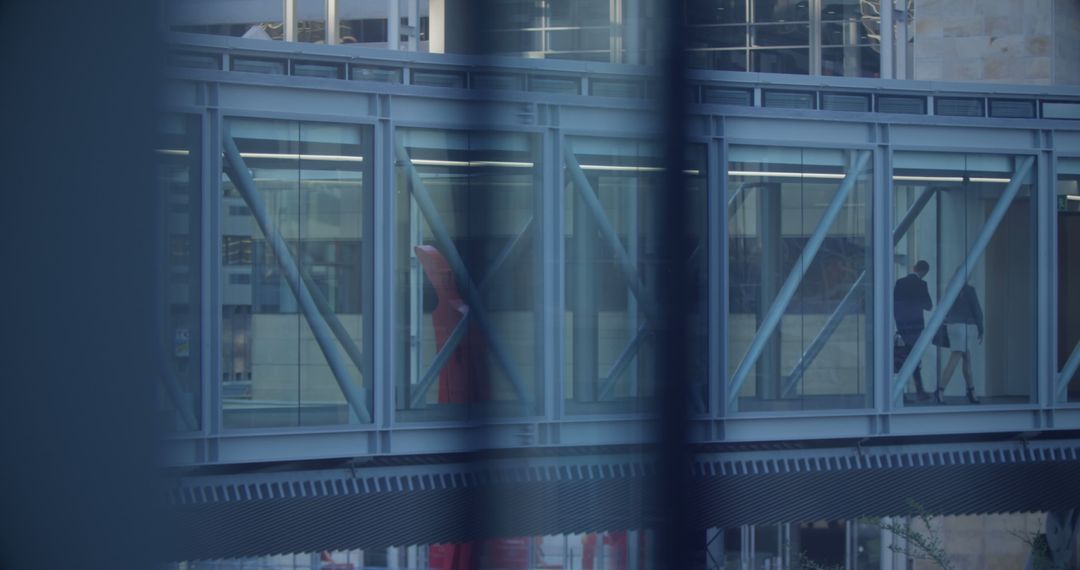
(830,37)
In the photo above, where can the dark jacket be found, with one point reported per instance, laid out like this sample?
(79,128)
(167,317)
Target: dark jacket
(911,297)
(966,310)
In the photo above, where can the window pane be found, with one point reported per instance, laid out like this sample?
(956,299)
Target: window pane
(988,333)
(291,299)
(781,60)
(179,338)
(1068,192)
(781,10)
(466,275)
(610,353)
(851,62)
(799,247)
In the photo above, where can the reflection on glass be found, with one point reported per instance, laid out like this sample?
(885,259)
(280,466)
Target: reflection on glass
(292,264)
(178,367)
(259,19)
(1068,307)
(964,251)
(799,278)
(611,244)
(466,275)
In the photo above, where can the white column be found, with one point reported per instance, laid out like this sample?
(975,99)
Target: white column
(414,25)
(393,24)
(886,42)
(393,557)
(289,19)
(437,26)
(331,22)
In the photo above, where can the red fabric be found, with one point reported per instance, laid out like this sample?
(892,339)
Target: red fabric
(464,378)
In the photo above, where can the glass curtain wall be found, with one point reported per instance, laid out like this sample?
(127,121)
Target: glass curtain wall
(611,245)
(799,272)
(784,36)
(967,259)
(1068,280)
(179,279)
(466,277)
(293,203)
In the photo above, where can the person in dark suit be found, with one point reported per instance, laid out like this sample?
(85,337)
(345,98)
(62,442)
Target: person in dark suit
(911,297)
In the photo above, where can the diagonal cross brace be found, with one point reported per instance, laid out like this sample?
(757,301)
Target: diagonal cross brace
(241,177)
(585,190)
(853,296)
(952,291)
(457,267)
(456,336)
(787,291)
(1067,371)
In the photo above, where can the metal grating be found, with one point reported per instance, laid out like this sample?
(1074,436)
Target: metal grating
(432,78)
(380,74)
(845,102)
(314,69)
(254,65)
(901,105)
(740,97)
(235,516)
(612,88)
(552,84)
(959,107)
(789,99)
(500,81)
(1012,108)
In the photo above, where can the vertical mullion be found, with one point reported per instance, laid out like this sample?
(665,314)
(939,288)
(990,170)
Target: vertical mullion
(725,283)
(1046,296)
(211,250)
(383,348)
(815,37)
(716,194)
(369,257)
(554,258)
(881,230)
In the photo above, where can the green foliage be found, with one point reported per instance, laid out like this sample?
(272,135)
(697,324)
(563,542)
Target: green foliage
(920,546)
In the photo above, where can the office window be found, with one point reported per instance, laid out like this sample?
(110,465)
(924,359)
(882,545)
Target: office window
(292,329)
(466,276)
(179,326)
(612,267)
(965,255)
(799,272)
(1068,281)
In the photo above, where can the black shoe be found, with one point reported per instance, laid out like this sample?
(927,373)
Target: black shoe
(939,396)
(971,396)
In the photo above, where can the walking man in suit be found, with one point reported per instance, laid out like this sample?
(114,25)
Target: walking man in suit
(910,298)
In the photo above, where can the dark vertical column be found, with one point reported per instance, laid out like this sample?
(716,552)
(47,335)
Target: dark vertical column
(76,416)
(676,539)
(771,261)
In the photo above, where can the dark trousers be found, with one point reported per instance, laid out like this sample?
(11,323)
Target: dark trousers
(900,355)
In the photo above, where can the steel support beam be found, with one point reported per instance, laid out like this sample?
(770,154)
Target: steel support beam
(1067,371)
(588,196)
(240,175)
(787,291)
(852,297)
(621,363)
(461,274)
(937,317)
(458,333)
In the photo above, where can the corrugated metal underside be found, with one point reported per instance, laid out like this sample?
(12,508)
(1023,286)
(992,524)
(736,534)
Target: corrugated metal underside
(229,516)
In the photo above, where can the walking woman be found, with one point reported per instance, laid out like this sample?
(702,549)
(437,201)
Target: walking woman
(964,320)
